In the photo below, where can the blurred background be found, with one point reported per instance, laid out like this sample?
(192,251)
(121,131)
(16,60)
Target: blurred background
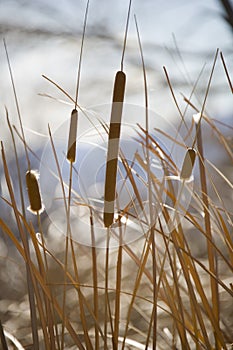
(44,38)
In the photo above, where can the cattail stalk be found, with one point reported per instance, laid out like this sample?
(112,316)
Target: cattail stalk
(71,157)
(114,136)
(71,151)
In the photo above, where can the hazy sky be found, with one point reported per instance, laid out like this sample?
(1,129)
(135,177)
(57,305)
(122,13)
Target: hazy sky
(44,38)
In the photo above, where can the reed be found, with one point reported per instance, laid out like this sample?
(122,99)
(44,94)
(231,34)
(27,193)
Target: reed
(157,292)
(114,137)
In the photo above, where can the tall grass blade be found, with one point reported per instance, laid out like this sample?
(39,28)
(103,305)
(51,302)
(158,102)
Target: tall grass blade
(151,213)
(226,71)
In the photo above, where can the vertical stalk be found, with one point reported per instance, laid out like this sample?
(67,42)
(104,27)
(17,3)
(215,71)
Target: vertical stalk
(210,248)
(153,247)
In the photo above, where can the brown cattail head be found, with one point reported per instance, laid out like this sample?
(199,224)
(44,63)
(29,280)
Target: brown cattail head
(113,147)
(119,87)
(33,192)
(188,164)
(71,152)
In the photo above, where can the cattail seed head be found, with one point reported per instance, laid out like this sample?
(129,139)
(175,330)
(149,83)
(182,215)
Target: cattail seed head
(33,192)
(188,164)
(71,152)
(113,147)
(119,87)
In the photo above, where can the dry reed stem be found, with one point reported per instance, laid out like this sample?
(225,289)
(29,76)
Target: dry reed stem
(151,213)
(50,317)
(95,280)
(226,71)
(167,159)
(80,300)
(134,186)
(179,227)
(16,101)
(118,291)
(71,152)
(206,95)
(17,164)
(174,97)
(29,278)
(69,240)
(141,269)
(178,242)
(71,157)
(45,287)
(32,286)
(211,253)
(22,201)
(23,235)
(47,313)
(107,310)
(209,121)
(77,285)
(177,296)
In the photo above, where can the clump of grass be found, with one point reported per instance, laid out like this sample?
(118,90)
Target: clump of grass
(154,293)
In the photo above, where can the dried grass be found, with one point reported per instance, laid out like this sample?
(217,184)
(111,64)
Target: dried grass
(154,293)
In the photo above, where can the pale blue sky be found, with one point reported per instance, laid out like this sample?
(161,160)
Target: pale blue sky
(44,38)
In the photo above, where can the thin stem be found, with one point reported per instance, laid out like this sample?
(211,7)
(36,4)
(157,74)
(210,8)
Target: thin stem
(16,101)
(149,190)
(81,53)
(206,95)
(125,38)
(226,71)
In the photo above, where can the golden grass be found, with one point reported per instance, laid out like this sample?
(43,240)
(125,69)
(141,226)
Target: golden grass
(154,293)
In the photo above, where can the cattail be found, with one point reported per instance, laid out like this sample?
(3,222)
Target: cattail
(188,164)
(71,152)
(33,192)
(113,147)
(119,89)
(114,136)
